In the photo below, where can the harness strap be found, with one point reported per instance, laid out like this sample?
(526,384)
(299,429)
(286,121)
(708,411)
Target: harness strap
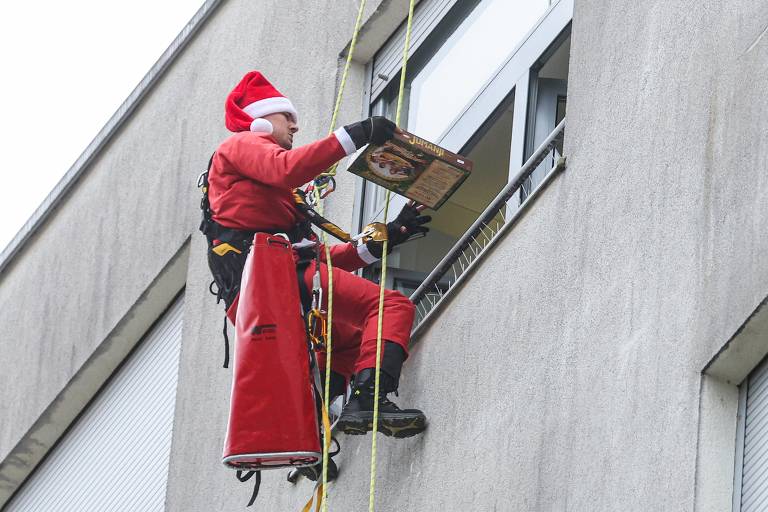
(317,494)
(304,294)
(325,430)
(317,219)
(244,477)
(226,344)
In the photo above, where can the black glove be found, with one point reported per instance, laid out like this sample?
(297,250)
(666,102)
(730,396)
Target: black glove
(408,223)
(375,129)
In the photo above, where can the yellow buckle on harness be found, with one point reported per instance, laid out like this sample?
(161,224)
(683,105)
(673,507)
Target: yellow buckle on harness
(224,248)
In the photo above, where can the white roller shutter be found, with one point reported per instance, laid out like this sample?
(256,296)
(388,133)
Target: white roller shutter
(115,457)
(754,469)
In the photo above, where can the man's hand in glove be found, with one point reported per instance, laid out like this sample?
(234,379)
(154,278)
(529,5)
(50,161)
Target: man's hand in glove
(408,223)
(377,130)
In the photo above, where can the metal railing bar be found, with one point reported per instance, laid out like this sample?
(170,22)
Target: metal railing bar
(418,329)
(493,208)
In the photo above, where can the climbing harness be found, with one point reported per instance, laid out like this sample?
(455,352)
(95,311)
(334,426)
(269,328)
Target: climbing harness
(227,251)
(244,476)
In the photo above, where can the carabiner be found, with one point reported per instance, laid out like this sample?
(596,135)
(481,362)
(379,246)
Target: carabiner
(316,328)
(328,187)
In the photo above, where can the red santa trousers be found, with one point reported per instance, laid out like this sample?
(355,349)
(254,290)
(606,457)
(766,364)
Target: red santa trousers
(355,319)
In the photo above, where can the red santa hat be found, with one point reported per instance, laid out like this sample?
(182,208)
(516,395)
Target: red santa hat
(253,98)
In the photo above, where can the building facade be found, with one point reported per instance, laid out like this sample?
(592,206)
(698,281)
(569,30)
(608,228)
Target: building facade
(591,323)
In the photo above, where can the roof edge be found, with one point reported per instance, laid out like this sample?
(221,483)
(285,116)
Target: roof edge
(123,113)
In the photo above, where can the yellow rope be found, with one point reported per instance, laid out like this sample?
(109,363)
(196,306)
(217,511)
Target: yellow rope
(323,491)
(376,390)
(332,171)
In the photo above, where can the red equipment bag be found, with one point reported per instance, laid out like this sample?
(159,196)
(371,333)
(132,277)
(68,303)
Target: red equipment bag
(272,417)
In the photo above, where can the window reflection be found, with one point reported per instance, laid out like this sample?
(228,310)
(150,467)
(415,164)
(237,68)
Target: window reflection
(462,62)
(469,57)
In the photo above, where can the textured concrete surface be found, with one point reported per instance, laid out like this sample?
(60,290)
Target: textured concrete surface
(579,389)
(566,375)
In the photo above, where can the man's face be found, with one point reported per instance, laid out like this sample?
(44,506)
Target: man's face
(283,128)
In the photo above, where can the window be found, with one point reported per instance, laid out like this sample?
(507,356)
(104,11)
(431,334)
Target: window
(116,455)
(489,151)
(440,90)
(489,81)
(732,445)
(751,483)
(548,94)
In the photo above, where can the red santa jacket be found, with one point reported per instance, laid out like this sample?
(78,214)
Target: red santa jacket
(251,180)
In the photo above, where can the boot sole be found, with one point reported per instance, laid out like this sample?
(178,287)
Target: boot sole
(391,426)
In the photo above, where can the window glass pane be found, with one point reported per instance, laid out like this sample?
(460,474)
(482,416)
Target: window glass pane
(410,263)
(374,195)
(548,99)
(469,57)
(435,94)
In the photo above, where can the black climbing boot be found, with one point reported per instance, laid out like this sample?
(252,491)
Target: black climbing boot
(357,417)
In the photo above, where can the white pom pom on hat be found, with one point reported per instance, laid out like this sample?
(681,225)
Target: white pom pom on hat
(261,125)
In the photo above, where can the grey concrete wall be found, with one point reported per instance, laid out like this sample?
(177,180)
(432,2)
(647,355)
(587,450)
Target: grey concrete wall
(566,374)
(578,389)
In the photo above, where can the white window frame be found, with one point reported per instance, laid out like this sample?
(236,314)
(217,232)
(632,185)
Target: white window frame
(722,408)
(514,74)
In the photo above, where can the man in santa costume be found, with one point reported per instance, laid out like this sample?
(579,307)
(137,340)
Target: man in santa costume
(250,189)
